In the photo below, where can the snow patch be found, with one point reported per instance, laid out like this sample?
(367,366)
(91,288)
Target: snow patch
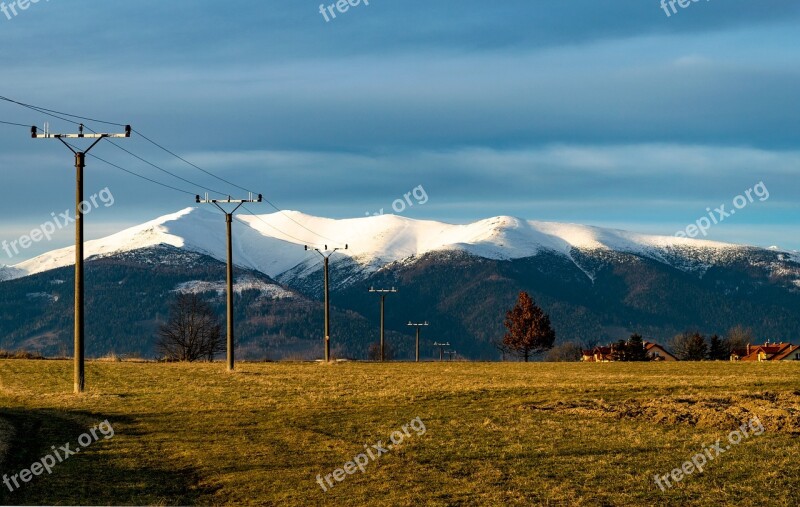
(267,290)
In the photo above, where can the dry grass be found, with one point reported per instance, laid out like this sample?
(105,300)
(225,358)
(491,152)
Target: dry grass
(497,434)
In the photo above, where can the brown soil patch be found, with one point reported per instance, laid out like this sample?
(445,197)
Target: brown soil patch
(776,411)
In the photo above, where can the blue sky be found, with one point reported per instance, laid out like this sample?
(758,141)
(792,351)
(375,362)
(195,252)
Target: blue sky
(603,113)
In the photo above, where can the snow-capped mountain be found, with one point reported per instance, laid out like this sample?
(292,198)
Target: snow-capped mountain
(597,284)
(273,243)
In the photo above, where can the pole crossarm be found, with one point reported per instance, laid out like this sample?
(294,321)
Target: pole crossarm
(46,134)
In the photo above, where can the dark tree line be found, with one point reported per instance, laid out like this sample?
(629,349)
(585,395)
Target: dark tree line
(694,346)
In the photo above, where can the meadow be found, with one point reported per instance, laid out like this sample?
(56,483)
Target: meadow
(495,433)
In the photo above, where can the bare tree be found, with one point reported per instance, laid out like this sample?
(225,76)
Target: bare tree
(193,331)
(374,351)
(738,338)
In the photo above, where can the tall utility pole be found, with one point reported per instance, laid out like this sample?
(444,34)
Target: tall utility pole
(418,326)
(229,222)
(326,255)
(79,380)
(383,293)
(441,349)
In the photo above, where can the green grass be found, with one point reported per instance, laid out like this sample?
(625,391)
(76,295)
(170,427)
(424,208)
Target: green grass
(497,434)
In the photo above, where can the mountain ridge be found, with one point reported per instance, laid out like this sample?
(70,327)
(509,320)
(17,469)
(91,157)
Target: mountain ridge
(272,243)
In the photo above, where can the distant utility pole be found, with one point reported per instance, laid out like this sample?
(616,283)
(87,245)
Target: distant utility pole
(441,349)
(326,255)
(383,293)
(450,354)
(229,222)
(418,326)
(79,380)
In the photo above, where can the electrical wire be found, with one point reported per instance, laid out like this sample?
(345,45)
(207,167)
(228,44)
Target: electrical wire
(45,110)
(131,172)
(232,184)
(273,227)
(61,116)
(191,164)
(15,124)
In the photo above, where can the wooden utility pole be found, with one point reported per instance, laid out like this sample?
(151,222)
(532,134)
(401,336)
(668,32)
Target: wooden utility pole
(229,223)
(326,255)
(383,293)
(79,380)
(418,326)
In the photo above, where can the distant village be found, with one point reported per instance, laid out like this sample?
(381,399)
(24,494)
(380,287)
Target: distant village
(654,352)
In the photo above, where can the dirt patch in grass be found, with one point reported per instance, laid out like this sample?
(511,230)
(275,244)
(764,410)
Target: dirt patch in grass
(777,411)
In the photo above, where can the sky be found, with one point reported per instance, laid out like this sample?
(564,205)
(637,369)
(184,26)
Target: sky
(612,114)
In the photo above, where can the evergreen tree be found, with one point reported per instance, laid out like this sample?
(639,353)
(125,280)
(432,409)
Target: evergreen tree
(717,350)
(635,348)
(697,349)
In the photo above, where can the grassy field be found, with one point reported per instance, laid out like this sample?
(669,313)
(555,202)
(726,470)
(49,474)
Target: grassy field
(495,434)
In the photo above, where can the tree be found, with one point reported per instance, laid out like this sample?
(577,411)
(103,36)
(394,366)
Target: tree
(738,338)
(632,350)
(635,348)
(374,351)
(565,353)
(619,351)
(529,331)
(193,331)
(718,350)
(690,347)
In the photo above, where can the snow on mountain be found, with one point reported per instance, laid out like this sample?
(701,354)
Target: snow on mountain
(243,283)
(273,243)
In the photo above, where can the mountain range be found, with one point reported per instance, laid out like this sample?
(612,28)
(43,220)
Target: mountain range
(597,284)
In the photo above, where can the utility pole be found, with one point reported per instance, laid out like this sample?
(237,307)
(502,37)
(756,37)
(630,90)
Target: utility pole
(79,380)
(383,293)
(450,354)
(418,326)
(441,349)
(326,255)
(229,223)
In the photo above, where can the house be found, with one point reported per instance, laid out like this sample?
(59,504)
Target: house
(606,354)
(767,352)
(658,353)
(598,355)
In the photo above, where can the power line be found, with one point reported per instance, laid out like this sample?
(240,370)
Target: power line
(230,183)
(61,116)
(45,110)
(15,124)
(273,227)
(142,177)
(166,171)
(191,164)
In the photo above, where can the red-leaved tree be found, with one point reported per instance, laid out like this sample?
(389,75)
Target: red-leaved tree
(529,331)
